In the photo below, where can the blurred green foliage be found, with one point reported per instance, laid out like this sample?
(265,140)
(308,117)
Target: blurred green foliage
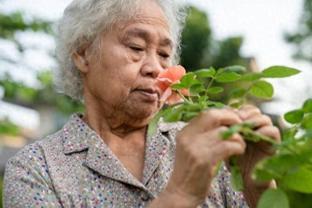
(196,37)
(228,53)
(7,127)
(302,38)
(19,93)
(201,50)
(291,166)
(11,23)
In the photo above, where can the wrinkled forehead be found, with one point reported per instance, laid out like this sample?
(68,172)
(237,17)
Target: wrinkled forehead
(145,19)
(143,33)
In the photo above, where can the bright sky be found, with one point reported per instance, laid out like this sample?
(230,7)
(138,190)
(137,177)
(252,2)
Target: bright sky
(261,22)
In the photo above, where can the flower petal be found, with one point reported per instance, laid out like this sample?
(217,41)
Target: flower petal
(173,73)
(166,94)
(168,77)
(174,98)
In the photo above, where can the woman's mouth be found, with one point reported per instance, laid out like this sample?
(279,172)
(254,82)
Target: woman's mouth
(149,95)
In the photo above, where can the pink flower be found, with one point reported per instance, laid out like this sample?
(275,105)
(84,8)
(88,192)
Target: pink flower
(171,75)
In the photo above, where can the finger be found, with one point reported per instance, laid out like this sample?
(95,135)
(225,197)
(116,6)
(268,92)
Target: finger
(228,148)
(259,121)
(248,111)
(208,141)
(248,106)
(217,135)
(219,148)
(270,131)
(201,141)
(210,119)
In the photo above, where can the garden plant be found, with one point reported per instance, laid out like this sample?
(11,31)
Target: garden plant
(188,94)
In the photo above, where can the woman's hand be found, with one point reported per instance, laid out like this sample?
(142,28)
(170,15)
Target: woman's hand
(262,125)
(200,148)
(256,151)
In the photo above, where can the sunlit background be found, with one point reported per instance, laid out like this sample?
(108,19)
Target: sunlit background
(256,34)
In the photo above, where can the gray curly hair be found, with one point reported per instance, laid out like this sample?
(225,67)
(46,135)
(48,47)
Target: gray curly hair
(83,20)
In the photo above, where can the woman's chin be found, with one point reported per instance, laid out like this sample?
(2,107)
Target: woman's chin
(143,111)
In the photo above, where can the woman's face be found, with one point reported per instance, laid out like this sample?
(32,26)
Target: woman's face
(120,75)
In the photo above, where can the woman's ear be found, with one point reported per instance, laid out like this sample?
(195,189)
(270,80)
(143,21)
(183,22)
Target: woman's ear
(80,58)
(80,61)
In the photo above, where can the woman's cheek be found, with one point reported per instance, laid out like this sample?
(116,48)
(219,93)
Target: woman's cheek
(136,57)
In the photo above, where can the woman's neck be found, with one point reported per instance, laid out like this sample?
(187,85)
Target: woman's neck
(125,141)
(107,126)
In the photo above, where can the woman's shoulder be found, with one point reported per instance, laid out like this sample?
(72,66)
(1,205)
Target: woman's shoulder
(34,152)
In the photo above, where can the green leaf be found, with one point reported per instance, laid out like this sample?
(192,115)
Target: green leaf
(227,76)
(188,80)
(307,106)
(230,131)
(275,167)
(261,174)
(235,68)
(290,133)
(177,86)
(211,104)
(215,90)
(236,176)
(191,107)
(236,179)
(262,89)
(152,126)
(294,116)
(205,73)
(273,198)
(279,72)
(251,77)
(237,92)
(203,99)
(197,88)
(298,180)
(188,116)
(307,121)
(173,115)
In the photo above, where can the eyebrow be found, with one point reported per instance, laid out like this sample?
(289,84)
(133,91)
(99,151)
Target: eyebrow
(137,32)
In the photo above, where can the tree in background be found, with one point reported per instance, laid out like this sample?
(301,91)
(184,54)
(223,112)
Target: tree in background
(196,38)
(201,50)
(11,23)
(18,92)
(302,38)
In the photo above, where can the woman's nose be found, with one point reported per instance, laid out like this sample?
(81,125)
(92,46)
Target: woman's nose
(152,67)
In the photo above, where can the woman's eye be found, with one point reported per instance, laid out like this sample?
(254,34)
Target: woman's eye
(164,55)
(136,48)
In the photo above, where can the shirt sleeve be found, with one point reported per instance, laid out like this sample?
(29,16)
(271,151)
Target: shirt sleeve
(27,182)
(231,198)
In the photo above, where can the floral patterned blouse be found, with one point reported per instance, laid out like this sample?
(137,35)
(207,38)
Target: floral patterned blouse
(75,168)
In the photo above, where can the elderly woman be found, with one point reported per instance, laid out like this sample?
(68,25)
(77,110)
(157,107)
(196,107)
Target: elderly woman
(110,54)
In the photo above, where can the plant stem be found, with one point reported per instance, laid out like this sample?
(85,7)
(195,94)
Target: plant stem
(183,97)
(256,137)
(209,85)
